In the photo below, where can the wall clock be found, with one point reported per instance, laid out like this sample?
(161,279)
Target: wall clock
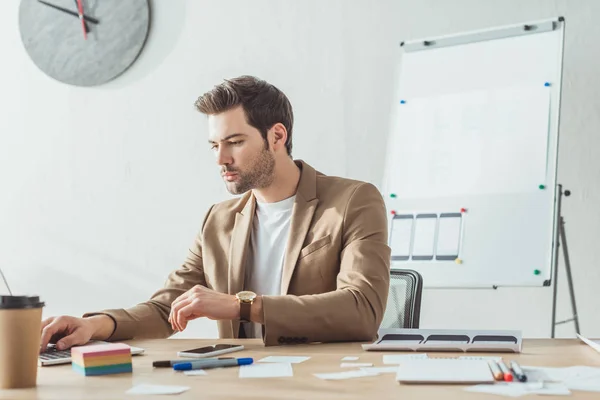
(84,42)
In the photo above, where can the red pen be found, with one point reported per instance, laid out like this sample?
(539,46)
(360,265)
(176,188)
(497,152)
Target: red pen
(508,377)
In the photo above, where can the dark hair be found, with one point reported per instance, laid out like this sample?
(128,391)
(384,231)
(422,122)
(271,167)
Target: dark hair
(263,104)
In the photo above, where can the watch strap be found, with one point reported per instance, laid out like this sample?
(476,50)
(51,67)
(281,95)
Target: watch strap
(245,311)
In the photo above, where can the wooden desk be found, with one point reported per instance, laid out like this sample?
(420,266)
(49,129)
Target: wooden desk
(61,382)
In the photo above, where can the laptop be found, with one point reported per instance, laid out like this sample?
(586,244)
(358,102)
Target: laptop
(53,356)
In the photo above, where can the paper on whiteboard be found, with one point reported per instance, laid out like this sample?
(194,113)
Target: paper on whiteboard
(448,240)
(401,235)
(478,142)
(424,238)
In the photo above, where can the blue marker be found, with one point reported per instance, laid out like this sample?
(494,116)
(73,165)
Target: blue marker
(234,362)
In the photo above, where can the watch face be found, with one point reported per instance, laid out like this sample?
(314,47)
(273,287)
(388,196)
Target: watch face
(246,295)
(89,52)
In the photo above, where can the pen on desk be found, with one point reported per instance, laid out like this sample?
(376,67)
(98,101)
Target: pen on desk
(518,371)
(505,371)
(190,365)
(496,371)
(170,363)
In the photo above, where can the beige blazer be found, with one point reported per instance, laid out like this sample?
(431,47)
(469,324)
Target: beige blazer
(336,268)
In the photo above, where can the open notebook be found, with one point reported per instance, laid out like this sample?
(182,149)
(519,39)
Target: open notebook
(444,370)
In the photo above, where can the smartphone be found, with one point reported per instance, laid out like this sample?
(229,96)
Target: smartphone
(210,351)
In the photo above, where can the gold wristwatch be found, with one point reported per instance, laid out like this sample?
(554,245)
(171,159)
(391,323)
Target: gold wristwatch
(245,298)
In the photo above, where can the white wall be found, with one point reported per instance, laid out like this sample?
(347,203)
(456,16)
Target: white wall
(103,189)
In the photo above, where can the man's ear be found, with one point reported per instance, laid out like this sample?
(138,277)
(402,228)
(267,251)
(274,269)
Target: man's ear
(278,135)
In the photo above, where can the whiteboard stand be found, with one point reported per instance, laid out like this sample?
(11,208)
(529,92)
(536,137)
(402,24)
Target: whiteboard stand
(560,234)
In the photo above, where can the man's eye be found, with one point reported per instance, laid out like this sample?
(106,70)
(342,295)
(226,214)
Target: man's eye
(236,143)
(213,147)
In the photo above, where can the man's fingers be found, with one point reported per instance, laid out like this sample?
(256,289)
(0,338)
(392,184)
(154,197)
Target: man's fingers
(71,340)
(184,312)
(50,330)
(182,298)
(46,322)
(187,313)
(175,310)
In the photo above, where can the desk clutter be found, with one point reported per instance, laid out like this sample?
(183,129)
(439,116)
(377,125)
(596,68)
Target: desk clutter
(492,374)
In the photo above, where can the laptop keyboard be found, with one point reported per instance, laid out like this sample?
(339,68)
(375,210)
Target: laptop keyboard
(52,353)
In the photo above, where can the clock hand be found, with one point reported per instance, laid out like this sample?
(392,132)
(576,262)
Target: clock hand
(80,9)
(67,11)
(85,25)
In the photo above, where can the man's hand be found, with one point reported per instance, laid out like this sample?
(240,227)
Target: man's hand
(68,331)
(200,301)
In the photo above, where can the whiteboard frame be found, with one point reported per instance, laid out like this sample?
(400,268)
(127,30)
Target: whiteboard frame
(494,33)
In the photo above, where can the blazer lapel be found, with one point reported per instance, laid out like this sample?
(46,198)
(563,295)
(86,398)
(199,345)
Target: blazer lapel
(237,253)
(302,214)
(239,246)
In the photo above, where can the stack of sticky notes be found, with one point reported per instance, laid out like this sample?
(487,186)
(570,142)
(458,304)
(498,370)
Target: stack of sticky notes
(101,359)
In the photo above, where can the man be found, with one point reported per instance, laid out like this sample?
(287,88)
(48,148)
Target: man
(299,257)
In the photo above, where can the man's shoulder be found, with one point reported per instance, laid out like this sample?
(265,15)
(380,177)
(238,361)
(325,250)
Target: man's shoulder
(336,187)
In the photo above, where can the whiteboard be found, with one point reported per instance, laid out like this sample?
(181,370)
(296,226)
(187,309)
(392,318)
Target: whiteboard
(470,179)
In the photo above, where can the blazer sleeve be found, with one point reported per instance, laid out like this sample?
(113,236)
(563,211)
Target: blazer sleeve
(354,311)
(150,319)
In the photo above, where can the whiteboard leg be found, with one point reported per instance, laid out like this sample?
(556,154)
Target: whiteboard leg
(562,236)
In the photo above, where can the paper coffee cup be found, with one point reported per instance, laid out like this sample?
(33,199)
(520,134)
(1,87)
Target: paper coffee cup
(20,331)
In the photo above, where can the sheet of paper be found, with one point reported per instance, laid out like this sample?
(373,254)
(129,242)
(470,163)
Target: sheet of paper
(355,373)
(517,389)
(284,359)
(471,143)
(266,370)
(424,237)
(480,358)
(591,343)
(380,370)
(146,388)
(355,365)
(448,239)
(400,238)
(400,358)
(575,378)
(349,358)
(195,372)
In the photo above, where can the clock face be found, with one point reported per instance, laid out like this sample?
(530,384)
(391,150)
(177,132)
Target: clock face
(81,54)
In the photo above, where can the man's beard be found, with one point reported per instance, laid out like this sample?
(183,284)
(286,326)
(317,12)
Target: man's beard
(259,175)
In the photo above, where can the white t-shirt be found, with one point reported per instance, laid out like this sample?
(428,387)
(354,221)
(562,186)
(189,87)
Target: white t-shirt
(264,261)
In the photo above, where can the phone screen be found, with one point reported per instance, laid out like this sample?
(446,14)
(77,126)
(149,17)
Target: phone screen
(208,349)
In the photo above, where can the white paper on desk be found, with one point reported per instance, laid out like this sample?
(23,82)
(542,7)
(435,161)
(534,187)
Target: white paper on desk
(355,373)
(592,344)
(566,375)
(195,372)
(400,358)
(574,378)
(380,370)
(146,388)
(480,358)
(355,365)
(349,358)
(284,359)
(517,389)
(266,370)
